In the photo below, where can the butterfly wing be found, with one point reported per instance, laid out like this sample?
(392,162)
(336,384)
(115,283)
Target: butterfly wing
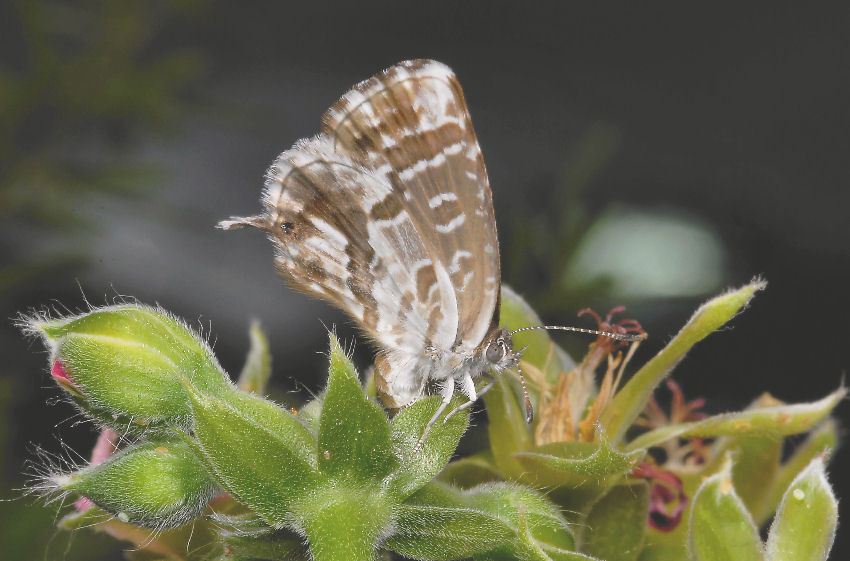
(336,239)
(388,215)
(411,123)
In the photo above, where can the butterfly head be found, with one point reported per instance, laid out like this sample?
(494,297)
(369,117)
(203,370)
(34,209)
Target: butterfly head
(499,350)
(499,355)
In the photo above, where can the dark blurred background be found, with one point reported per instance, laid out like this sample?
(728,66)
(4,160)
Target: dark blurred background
(643,155)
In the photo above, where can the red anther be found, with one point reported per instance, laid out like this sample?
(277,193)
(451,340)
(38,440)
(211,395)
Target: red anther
(615,310)
(626,326)
(592,313)
(682,411)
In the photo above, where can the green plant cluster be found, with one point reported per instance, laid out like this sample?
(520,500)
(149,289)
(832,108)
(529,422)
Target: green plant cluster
(208,470)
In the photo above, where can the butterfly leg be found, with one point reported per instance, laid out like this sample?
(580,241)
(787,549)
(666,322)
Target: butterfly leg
(446,392)
(469,389)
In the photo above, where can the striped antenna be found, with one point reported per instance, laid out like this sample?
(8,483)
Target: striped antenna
(628,337)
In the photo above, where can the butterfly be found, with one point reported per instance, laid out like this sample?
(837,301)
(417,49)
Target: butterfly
(387,213)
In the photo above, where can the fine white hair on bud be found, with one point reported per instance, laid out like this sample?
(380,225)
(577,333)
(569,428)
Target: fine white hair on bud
(151,484)
(47,473)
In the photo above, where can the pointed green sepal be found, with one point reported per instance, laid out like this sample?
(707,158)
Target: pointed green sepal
(804,526)
(588,459)
(721,529)
(415,470)
(778,421)
(579,471)
(354,435)
(258,453)
(279,420)
(446,532)
(631,400)
(824,437)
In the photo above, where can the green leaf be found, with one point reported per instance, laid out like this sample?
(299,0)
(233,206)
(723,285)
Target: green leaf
(263,464)
(587,459)
(821,439)
(463,523)
(415,470)
(615,528)
(153,484)
(631,400)
(509,433)
(579,471)
(804,527)
(354,434)
(781,420)
(258,364)
(721,529)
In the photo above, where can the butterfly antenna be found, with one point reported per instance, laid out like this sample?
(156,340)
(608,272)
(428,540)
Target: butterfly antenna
(628,337)
(529,410)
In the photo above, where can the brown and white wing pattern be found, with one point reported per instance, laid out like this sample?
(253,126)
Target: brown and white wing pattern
(325,214)
(388,214)
(411,124)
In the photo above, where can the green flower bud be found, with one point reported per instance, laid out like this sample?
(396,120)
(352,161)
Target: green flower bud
(154,485)
(126,362)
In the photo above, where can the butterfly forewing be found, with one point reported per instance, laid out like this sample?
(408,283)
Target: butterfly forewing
(319,217)
(411,124)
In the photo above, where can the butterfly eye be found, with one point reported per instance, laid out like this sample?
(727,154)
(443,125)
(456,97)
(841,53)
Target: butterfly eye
(286,227)
(496,352)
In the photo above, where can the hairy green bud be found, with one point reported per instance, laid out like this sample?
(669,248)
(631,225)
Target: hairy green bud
(154,484)
(126,362)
